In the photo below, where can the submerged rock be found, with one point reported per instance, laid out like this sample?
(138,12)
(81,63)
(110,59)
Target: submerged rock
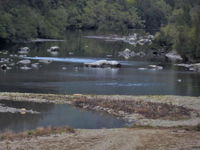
(104,63)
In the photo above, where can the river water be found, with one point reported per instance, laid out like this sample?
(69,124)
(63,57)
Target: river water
(66,74)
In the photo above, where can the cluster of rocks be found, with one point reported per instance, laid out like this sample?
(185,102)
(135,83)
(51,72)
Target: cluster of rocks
(6,63)
(174,56)
(104,63)
(127,53)
(190,67)
(19,61)
(134,39)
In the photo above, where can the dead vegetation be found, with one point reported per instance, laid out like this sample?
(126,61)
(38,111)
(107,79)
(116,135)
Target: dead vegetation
(157,110)
(147,109)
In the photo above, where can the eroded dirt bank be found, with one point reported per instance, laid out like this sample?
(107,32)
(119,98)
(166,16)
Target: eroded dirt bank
(110,139)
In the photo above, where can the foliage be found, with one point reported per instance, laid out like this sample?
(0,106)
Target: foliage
(182,34)
(178,20)
(25,19)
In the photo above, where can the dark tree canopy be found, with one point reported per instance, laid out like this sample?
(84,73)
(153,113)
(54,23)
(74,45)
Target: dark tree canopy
(178,20)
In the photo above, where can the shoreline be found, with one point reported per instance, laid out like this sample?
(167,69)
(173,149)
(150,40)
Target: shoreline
(154,111)
(147,134)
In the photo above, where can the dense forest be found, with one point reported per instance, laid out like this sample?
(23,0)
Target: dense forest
(177,20)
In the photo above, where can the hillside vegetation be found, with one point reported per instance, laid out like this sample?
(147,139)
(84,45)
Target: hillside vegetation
(178,20)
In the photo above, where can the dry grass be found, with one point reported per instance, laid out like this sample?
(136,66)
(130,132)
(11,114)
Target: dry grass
(149,110)
(34,133)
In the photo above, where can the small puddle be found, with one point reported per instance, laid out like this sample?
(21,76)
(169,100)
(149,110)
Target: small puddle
(54,115)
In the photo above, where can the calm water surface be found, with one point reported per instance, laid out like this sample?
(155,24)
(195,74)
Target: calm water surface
(54,115)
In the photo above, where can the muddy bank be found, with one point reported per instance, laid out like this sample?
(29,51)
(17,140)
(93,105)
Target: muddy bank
(159,111)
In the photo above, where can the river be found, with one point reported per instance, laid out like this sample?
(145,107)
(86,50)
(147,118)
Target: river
(67,74)
(63,72)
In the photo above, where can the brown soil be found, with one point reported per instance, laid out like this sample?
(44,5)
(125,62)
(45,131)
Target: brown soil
(35,133)
(110,139)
